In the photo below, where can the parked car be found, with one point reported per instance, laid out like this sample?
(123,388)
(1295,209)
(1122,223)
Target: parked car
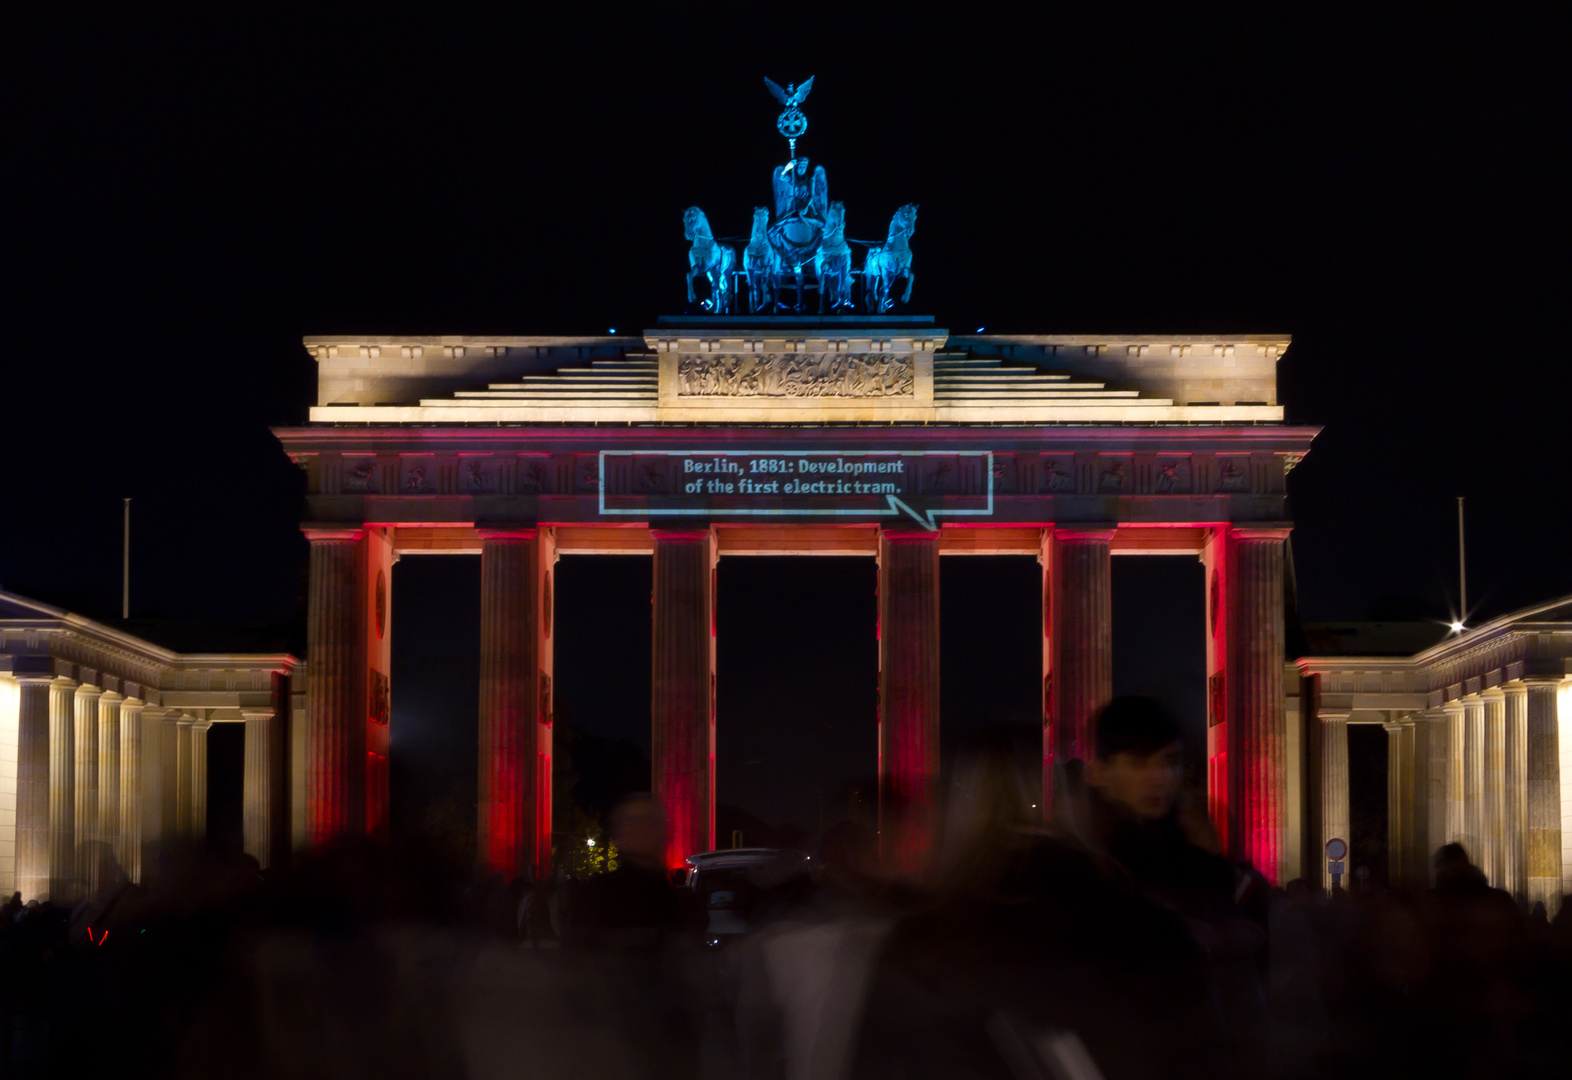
(732,885)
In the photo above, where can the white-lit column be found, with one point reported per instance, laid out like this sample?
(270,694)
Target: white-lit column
(1438,731)
(63,885)
(128,826)
(169,776)
(1474,779)
(109,775)
(199,778)
(1399,798)
(1514,833)
(1334,787)
(1492,855)
(183,784)
(32,786)
(1457,755)
(1544,794)
(257,793)
(1416,860)
(87,787)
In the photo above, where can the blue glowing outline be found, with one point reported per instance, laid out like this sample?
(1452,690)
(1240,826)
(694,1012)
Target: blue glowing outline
(895,506)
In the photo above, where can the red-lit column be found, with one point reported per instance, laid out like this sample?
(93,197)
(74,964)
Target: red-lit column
(908,696)
(1078,627)
(32,787)
(683,685)
(1252,600)
(336,677)
(515,701)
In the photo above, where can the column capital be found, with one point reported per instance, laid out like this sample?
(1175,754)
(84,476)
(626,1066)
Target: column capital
(1542,682)
(258,713)
(909,536)
(1077,534)
(111,697)
(1260,533)
(1332,716)
(201,724)
(681,536)
(333,534)
(1514,688)
(87,690)
(516,534)
(1492,693)
(33,678)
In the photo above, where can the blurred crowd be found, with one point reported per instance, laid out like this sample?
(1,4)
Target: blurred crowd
(1117,941)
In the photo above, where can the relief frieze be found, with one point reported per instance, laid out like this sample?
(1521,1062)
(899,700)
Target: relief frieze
(838,375)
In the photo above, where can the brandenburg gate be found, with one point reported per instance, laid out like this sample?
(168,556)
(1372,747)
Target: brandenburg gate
(728,435)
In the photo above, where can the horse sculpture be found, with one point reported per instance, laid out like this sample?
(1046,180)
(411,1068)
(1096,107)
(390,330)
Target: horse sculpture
(832,266)
(888,261)
(763,265)
(714,261)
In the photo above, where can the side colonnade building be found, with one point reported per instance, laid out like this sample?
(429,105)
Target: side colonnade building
(103,749)
(1479,749)
(727,436)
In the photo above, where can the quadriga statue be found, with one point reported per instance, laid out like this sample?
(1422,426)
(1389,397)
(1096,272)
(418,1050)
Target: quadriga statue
(762,263)
(833,264)
(890,261)
(709,259)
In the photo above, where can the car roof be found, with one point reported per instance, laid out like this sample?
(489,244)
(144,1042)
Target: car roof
(740,857)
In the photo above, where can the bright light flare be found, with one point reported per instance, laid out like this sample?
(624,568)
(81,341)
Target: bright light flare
(1457,627)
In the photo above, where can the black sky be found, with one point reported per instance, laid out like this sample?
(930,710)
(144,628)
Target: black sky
(189,194)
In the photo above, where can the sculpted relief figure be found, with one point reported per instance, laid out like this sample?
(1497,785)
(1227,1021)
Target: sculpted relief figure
(796,375)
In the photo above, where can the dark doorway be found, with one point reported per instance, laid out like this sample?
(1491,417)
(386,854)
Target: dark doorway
(1159,642)
(601,687)
(226,770)
(797,685)
(1367,809)
(990,656)
(435,701)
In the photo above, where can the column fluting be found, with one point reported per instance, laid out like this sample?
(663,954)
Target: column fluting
(128,827)
(1080,629)
(87,837)
(1257,719)
(109,775)
(257,786)
(32,787)
(683,689)
(1514,832)
(1334,790)
(908,696)
(510,673)
(1544,794)
(199,731)
(1456,771)
(336,676)
(1474,779)
(1493,803)
(64,885)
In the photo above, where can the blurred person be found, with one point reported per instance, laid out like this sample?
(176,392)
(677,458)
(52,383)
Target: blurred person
(1136,816)
(1025,936)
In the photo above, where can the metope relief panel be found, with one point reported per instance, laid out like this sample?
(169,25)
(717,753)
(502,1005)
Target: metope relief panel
(358,474)
(477,474)
(1057,474)
(1115,475)
(1171,476)
(816,375)
(418,475)
(1232,473)
(532,475)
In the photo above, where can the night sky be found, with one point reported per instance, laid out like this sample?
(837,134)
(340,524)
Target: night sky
(189,195)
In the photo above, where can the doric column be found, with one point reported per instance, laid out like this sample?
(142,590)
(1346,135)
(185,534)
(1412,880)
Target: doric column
(87,837)
(63,884)
(1438,732)
(908,696)
(1545,868)
(1492,829)
(184,787)
(1514,833)
(514,804)
(683,697)
(128,826)
(1334,789)
(199,778)
(1474,779)
(1399,798)
(257,786)
(32,786)
(1457,754)
(169,739)
(1416,858)
(109,773)
(336,676)
(1254,693)
(1078,620)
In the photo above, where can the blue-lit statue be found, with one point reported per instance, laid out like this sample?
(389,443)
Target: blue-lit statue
(763,265)
(889,261)
(715,262)
(802,201)
(833,265)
